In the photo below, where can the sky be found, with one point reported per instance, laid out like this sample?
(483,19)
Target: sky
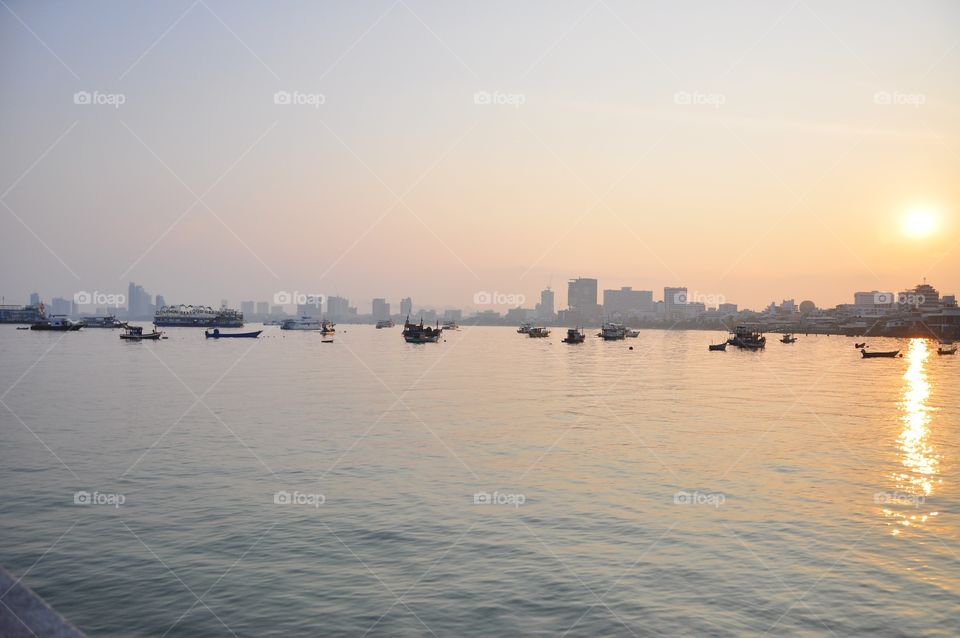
(208,150)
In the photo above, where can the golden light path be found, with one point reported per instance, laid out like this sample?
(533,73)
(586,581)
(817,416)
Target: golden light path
(921,464)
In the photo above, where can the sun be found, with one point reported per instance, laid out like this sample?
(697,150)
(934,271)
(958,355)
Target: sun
(919,223)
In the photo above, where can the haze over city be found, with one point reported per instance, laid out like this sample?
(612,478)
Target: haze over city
(209,150)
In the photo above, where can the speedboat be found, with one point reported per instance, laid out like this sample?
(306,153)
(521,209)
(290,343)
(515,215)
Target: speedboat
(58,323)
(216,334)
(303,323)
(574,335)
(136,333)
(538,333)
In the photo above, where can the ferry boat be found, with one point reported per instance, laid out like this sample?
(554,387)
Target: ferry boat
(538,333)
(613,332)
(414,333)
(303,323)
(109,321)
(57,323)
(744,337)
(574,335)
(136,333)
(21,314)
(451,325)
(385,323)
(198,316)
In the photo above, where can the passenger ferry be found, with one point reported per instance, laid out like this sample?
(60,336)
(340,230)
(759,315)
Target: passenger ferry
(198,316)
(303,323)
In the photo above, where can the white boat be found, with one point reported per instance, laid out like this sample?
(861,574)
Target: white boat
(451,325)
(613,332)
(524,328)
(631,332)
(303,323)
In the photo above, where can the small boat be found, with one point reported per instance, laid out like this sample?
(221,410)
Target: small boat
(860,345)
(524,328)
(890,354)
(216,334)
(57,323)
(135,333)
(631,332)
(414,333)
(718,346)
(326,327)
(744,337)
(788,338)
(326,341)
(385,323)
(613,332)
(538,333)
(23,327)
(303,323)
(451,325)
(947,350)
(575,335)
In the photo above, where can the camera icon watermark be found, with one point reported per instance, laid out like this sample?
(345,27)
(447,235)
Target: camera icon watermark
(496,98)
(498,498)
(84,298)
(696,98)
(896,98)
(284,497)
(96,98)
(83,497)
(494,298)
(712,499)
(899,498)
(299,98)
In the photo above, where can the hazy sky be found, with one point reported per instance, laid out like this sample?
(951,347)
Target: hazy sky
(754,150)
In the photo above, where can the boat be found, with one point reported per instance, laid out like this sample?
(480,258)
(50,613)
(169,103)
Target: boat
(538,333)
(135,333)
(57,323)
(744,337)
(575,335)
(414,333)
(197,316)
(216,334)
(612,332)
(860,345)
(890,354)
(718,346)
(385,323)
(326,327)
(303,323)
(631,332)
(450,325)
(788,338)
(23,327)
(524,328)
(947,350)
(109,321)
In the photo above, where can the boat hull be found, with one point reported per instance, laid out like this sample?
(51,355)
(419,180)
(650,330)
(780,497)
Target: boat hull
(879,355)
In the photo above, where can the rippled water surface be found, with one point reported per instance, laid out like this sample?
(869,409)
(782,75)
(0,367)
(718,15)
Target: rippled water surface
(663,490)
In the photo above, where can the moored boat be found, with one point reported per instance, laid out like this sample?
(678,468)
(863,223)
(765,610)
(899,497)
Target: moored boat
(889,354)
(450,325)
(718,346)
(136,333)
(788,338)
(197,316)
(216,334)
(612,332)
(860,345)
(575,335)
(326,327)
(57,323)
(108,321)
(524,328)
(385,323)
(418,333)
(538,333)
(302,323)
(945,350)
(744,337)
(631,332)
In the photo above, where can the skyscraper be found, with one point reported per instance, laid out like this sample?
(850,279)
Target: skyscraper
(34,299)
(546,309)
(627,302)
(582,300)
(406,306)
(246,307)
(138,302)
(381,309)
(337,307)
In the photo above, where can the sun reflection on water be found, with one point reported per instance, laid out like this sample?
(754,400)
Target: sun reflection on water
(918,477)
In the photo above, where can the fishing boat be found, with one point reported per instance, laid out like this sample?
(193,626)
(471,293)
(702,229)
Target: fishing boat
(744,337)
(326,327)
(613,332)
(135,333)
(718,346)
(216,334)
(524,328)
(860,345)
(538,333)
(303,323)
(575,335)
(385,323)
(57,323)
(418,333)
(948,349)
(890,354)
(788,338)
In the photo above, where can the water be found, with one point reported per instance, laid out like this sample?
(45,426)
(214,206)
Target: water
(666,490)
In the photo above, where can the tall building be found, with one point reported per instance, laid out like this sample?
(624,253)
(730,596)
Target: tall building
(34,299)
(161,301)
(381,309)
(338,307)
(582,294)
(263,308)
(452,314)
(406,306)
(627,302)
(246,307)
(673,301)
(138,302)
(546,307)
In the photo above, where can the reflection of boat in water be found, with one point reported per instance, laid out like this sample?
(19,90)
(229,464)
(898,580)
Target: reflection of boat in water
(890,354)
(57,323)
(418,333)
(136,333)
(575,335)
(788,338)
(524,328)
(385,323)
(744,337)
(613,332)
(538,333)
(216,334)
(718,346)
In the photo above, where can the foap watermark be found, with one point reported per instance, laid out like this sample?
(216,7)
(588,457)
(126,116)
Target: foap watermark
(696,98)
(911,299)
(497,98)
(98,498)
(488,298)
(283,298)
(896,98)
(498,498)
(97,298)
(299,98)
(899,498)
(295,497)
(713,499)
(708,299)
(96,98)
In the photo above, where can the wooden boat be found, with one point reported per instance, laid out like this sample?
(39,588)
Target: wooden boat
(788,338)
(718,346)
(890,354)
(216,334)
(135,333)
(575,335)
(414,333)
(744,337)
(538,333)
(613,332)
(947,350)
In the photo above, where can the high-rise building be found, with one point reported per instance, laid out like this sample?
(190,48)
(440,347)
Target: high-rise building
(338,307)
(406,306)
(161,301)
(452,314)
(582,294)
(381,309)
(138,302)
(34,299)
(727,309)
(673,301)
(263,308)
(546,307)
(246,307)
(627,302)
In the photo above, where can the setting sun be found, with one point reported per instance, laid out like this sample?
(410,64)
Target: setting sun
(919,223)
